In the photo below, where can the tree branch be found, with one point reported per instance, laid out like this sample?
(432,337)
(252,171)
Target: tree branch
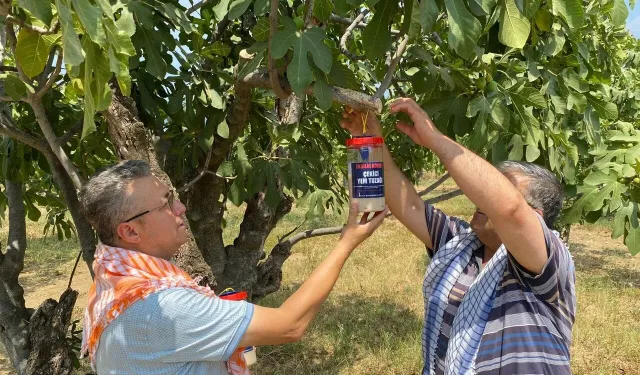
(199,176)
(347,33)
(220,28)
(345,21)
(354,99)
(66,137)
(40,30)
(195,7)
(8,128)
(271,64)
(48,67)
(398,88)
(6,99)
(308,18)
(313,233)
(50,136)
(435,185)
(392,67)
(4,68)
(52,78)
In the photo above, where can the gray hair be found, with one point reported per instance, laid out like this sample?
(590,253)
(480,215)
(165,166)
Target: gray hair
(107,200)
(543,190)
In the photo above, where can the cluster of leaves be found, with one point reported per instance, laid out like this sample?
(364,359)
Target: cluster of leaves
(551,82)
(548,82)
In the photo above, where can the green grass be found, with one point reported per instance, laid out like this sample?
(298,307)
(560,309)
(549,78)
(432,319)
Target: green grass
(43,252)
(371,322)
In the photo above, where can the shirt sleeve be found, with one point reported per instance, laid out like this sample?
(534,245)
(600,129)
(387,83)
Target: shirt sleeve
(556,272)
(442,228)
(188,326)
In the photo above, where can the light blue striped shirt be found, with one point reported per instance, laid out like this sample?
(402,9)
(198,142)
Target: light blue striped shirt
(174,331)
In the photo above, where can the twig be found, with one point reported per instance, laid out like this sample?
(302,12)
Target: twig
(220,28)
(271,65)
(436,38)
(4,68)
(444,197)
(200,175)
(308,18)
(347,33)
(392,67)
(291,231)
(195,7)
(40,30)
(6,99)
(345,21)
(354,99)
(48,67)
(435,185)
(398,88)
(313,233)
(66,137)
(8,127)
(52,78)
(73,271)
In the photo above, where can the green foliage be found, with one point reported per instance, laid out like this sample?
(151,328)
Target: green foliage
(555,83)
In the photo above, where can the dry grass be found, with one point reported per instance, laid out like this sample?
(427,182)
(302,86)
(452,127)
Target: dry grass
(372,321)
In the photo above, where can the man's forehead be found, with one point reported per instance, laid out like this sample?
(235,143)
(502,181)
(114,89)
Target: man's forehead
(149,187)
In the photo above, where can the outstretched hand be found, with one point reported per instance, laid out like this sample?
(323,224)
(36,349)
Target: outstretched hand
(356,231)
(422,130)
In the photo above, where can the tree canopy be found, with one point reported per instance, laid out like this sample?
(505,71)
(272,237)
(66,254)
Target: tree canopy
(239,101)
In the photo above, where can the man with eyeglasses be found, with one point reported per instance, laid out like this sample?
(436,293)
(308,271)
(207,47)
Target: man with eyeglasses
(499,291)
(144,315)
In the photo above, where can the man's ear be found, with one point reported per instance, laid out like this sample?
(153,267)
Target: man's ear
(128,232)
(539,211)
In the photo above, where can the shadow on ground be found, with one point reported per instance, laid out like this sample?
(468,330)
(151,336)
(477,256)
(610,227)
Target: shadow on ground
(351,327)
(609,264)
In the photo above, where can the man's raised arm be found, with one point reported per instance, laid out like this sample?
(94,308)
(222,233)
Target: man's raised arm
(515,222)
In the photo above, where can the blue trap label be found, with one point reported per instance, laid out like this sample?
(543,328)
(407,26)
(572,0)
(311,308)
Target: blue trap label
(367,180)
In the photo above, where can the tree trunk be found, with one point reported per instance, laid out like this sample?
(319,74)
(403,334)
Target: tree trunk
(14,317)
(50,353)
(205,211)
(133,141)
(86,235)
(241,268)
(36,342)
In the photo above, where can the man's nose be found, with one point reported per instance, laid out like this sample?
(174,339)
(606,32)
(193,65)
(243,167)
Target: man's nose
(179,208)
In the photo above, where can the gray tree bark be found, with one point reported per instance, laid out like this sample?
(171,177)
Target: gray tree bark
(86,235)
(35,341)
(14,317)
(133,141)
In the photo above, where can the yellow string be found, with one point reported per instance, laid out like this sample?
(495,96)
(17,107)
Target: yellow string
(364,122)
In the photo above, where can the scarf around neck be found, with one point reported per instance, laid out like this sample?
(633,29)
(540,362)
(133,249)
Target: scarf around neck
(123,277)
(469,323)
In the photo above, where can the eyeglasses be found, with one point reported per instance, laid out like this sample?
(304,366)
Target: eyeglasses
(169,202)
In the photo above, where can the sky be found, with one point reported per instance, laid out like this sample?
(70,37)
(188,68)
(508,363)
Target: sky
(633,21)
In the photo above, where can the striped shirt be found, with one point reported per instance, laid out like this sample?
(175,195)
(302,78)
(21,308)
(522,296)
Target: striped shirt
(529,327)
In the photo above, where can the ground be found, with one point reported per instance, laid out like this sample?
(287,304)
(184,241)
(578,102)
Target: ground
(371,322)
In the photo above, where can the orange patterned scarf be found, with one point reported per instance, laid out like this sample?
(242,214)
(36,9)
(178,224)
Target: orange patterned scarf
(123,277)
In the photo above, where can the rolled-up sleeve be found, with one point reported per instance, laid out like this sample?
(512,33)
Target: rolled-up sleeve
(555,273)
